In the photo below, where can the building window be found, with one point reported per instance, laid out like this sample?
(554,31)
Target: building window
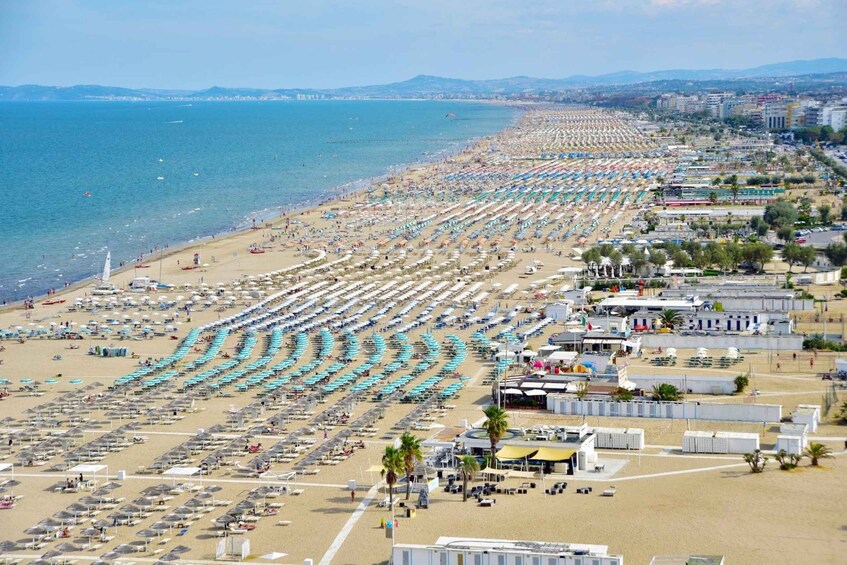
(501,560)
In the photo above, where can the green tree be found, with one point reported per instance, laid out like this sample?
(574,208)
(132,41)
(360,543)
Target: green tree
(637,260)
(713,196)
(780,213)
(680,259)
(741,383)
(735,253)
(842,414)
(495,425)
(468,468)
(756,460)
(844,212)
(410,449)
(392,468)
(622,394)
(592,257)
(669,318)
(825,214)
(734,189)
(658,258)
(817,451)
(836,253)
(787,461)
(807,257)
(785,233)
(716,181)
(666,393)
(616,259)
(757,254)
(793,254)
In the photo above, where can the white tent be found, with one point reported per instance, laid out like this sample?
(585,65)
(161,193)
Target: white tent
(565,357)
(88,469)
(183,472)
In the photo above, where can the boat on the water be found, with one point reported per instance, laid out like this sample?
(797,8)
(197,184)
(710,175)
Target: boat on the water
(104,287)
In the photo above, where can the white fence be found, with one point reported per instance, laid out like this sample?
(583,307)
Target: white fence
(719,442)
(789,342)
(692,384)
(619,438)
(644,408)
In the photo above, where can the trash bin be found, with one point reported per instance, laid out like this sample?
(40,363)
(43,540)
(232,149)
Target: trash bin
(121,475)
(351,485)
(411,511)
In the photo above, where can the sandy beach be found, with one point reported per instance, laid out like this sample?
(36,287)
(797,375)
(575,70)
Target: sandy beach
(334,285)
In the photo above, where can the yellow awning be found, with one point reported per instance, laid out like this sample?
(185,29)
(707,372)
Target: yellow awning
(553,454)
(515,452)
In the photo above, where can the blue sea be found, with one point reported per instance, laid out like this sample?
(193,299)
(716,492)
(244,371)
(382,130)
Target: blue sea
(78,178)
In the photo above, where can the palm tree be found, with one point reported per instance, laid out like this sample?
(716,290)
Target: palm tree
(734,189)
(666,393)
(392,467)
(468,467)
(410,449)
(669,318)
(816,451)
(496,425)
(756,460)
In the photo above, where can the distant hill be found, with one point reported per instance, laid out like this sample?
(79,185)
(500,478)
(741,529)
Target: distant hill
(427,86)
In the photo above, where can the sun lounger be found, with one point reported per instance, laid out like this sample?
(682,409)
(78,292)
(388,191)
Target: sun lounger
(609,492)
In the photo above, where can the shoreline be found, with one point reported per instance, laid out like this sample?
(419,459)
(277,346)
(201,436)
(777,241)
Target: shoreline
(277,213)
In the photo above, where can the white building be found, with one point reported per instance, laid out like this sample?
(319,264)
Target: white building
(774,115)
(838,119)
(477,551)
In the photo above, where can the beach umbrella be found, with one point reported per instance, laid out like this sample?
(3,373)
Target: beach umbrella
(160,526)
(180,549)
(172,518)
(8,546)
(125,548)
(149,534)
(67,547)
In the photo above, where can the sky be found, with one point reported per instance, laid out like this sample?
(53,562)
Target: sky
(195,44)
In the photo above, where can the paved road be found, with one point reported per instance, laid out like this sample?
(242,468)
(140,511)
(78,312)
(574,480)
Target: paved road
(824,238)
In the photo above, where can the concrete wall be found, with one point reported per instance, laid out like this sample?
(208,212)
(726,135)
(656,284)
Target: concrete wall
(762,304)
(718,342)
(693,384)
(638,408)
